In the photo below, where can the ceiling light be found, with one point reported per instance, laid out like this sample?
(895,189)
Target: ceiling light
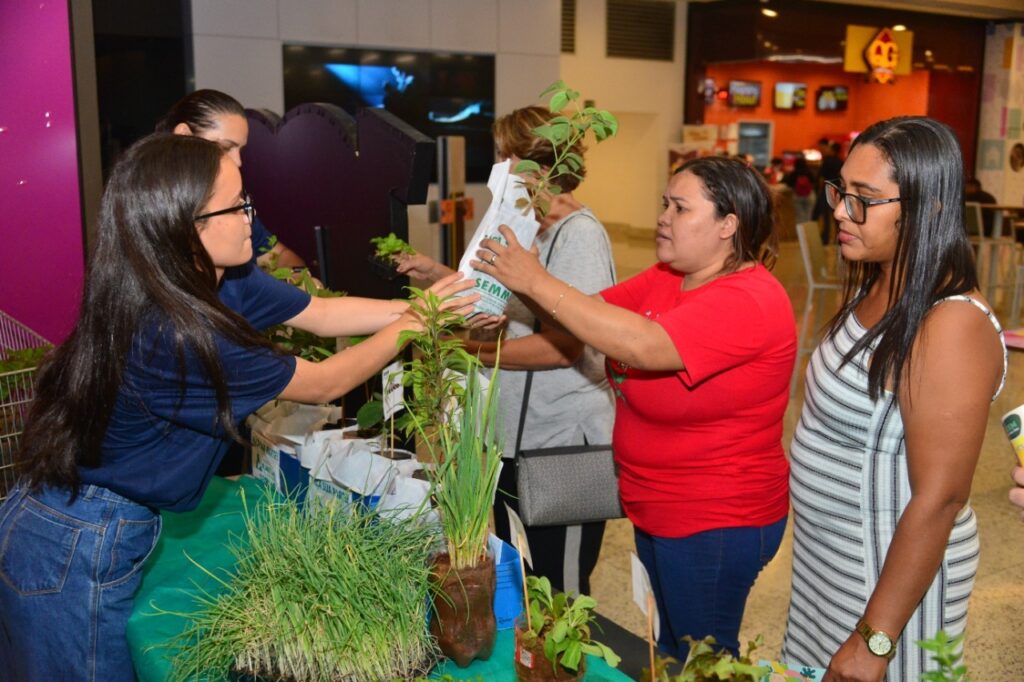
(899,27)
(769,12)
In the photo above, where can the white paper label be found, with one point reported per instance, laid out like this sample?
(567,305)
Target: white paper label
(391,380)
(519,535)
(641,590)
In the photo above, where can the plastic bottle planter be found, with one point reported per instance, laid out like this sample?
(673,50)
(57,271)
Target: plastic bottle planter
(463,620)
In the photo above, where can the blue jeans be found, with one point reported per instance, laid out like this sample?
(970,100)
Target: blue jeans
(68,575)
(701,581)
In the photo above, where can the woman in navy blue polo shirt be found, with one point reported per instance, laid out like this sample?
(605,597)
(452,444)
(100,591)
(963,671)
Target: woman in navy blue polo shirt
(134,411)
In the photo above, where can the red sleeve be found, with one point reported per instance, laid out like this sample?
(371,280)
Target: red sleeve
(630,294)
(715,330)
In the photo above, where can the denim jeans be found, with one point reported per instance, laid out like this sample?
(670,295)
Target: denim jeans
(68,574)
(701,581)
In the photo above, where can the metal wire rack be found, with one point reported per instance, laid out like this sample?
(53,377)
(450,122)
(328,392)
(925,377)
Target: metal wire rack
(17,388)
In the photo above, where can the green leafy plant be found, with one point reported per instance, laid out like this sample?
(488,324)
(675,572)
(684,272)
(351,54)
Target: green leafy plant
(433,376)
(563,132)
(321,594)
(948,654)
(390,246)
(563,623)
(467,457)
(300,342)
(15,361)
(708,662)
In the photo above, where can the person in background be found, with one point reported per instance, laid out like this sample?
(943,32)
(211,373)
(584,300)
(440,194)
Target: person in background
(570,402)
(134,410)
(220,118)
(831,163)
(974,193)
(885,545)
(773,173)
(700,350)
(802,181)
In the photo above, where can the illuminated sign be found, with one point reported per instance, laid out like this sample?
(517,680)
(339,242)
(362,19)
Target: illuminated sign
(879,52)
(882,55)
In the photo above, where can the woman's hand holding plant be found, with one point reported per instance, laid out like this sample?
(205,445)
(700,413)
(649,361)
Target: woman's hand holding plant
(420,266)
(446,289)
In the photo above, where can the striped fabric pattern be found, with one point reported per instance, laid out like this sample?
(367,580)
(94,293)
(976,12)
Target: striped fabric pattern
(849,486)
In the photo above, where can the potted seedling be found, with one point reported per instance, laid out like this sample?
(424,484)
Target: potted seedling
(433,377)
(458,427)
(553,641)
(708,662)
(466,454)
(386,252)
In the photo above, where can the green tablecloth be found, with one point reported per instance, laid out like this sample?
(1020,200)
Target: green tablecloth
(170,581)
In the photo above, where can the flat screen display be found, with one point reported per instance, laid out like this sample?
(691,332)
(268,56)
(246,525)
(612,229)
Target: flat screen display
(744,93)
(436,93)
(832,98)
(790,95)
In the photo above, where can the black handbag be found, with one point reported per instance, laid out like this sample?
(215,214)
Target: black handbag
(567,485)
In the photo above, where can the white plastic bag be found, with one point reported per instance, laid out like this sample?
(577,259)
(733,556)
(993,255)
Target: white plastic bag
(506,190)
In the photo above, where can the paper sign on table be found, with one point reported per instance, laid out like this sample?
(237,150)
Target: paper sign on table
(519,535)
(641,590)
(391,380)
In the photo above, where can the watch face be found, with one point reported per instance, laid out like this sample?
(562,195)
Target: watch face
(880,644)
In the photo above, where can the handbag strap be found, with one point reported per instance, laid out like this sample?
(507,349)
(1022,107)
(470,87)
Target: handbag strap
(529,374)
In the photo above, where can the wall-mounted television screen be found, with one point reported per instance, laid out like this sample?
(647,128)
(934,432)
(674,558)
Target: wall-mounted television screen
(436,93)
(790,95)
(744,93)
(832,98)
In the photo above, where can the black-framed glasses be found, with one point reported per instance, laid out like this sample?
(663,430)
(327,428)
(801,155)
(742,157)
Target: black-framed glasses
(246,205)
(856,205)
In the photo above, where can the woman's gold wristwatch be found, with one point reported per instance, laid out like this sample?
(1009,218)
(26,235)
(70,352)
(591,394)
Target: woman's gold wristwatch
(879,643)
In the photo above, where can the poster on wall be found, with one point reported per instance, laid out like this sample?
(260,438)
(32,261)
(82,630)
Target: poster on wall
(832,98)
(744,94)
(790,96)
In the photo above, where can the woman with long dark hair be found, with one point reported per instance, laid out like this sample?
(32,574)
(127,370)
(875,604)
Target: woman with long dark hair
(134,411)
(885,542)
(700,349)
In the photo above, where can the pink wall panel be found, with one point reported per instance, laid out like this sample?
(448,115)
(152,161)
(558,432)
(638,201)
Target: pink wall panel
(41,263)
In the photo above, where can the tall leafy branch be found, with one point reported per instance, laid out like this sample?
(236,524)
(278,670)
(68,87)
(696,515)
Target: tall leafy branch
(564,133)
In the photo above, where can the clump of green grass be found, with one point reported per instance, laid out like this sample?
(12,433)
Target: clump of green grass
(325,594)
(463,482)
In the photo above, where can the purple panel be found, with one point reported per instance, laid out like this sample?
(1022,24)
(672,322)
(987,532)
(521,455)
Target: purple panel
(41,264)
(303,171)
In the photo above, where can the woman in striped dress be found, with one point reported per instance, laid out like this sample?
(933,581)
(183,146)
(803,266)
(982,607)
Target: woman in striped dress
(885,543)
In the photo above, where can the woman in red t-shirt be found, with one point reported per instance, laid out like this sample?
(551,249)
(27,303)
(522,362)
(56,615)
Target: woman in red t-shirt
(703,344)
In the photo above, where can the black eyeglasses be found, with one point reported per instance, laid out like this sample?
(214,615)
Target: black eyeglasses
(246,205)
(856,206)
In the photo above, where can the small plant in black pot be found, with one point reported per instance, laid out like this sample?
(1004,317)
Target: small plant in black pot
(387,250)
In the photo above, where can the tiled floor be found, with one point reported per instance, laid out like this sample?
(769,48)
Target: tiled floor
(994,649)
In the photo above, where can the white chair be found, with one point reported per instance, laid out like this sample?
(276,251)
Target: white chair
(819,278)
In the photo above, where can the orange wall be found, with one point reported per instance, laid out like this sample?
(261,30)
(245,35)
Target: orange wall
(802,128)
